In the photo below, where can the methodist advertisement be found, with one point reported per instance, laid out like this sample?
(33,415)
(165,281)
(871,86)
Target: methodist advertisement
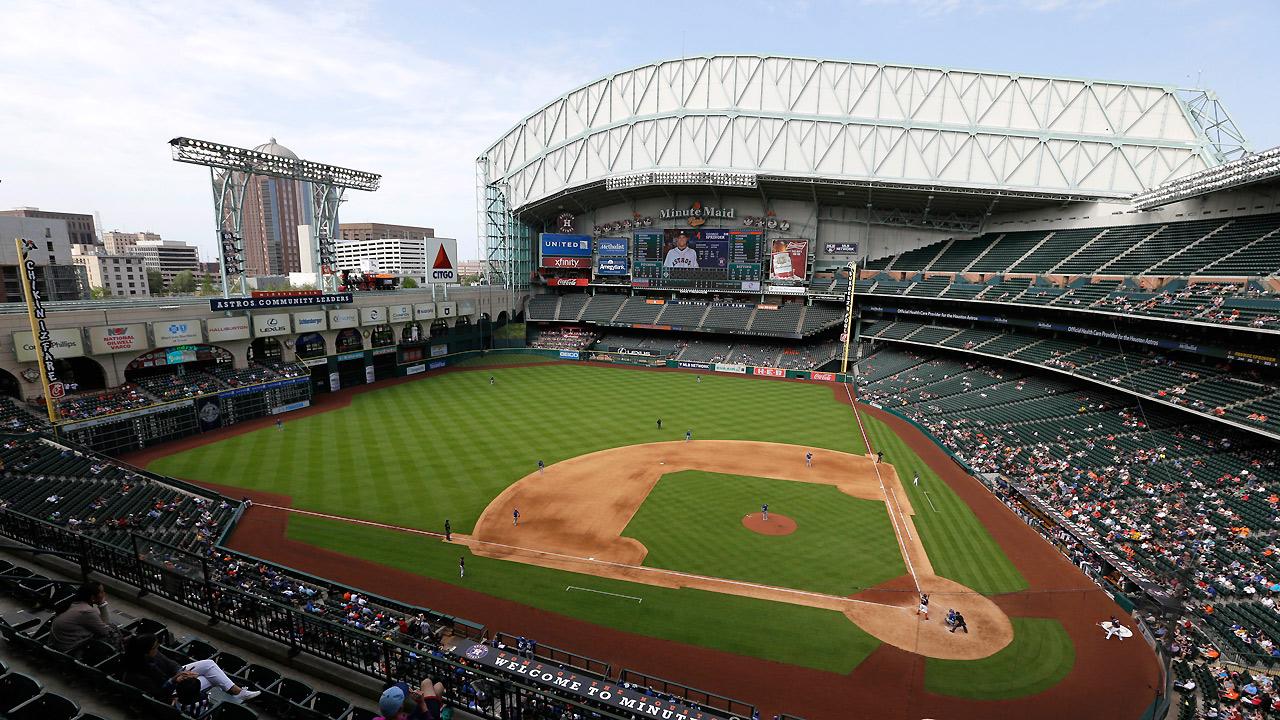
(442,261)
(177,332)
(117,338)
(560,245)
(612,247)
(789,259)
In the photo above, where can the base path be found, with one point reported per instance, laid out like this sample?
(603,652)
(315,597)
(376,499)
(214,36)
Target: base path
(573,513)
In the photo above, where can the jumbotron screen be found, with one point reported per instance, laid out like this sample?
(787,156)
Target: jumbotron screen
(698,254)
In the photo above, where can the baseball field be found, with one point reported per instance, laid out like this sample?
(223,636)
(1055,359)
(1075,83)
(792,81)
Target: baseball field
(640,547)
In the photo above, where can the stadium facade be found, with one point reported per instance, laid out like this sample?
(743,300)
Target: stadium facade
(860,159)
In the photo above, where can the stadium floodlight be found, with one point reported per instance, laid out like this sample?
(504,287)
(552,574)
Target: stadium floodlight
(717,178)
(1256,167)
(231,168)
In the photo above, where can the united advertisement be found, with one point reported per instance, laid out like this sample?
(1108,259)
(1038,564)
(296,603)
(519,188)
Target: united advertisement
(789,259)
(561,245)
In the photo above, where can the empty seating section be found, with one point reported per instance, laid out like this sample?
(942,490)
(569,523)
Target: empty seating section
(963,291)
(961,253)
(1239,394)
(1084,293)
(571,305)
(705,351)
(929,287)
(1007,250)
(1004,290)
(818,317)
(1170,239)
(782,321)
(542,307)
(1263,253)
(682,314)
(639,310)
(889,286)
(1104,248)
(918,258)
(601,308)
(1041,294)
(1054,250)
(1230,237)
(728,317)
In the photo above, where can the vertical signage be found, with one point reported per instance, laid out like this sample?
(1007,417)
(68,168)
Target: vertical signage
(54,390)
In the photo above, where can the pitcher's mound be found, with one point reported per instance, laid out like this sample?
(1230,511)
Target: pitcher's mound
(775,525)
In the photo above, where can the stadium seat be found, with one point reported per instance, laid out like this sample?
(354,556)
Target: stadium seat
(359,713)
(15,689)
(231,711)
(46,706)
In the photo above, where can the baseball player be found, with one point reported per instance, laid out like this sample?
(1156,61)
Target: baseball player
(462,566)
(490,379)
(515,517)
(699,379)
(916,481)
(924,606)
(681,256)
(959,624)
(879,457)
(688,435)
(808,459)
(279,424)
(764,510)
(659,423)
(541,466)
(448,531)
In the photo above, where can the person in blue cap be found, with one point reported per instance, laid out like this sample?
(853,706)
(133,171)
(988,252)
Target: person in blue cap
(400,702)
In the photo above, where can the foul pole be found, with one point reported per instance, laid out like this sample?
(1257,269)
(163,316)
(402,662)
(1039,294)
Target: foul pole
(848,316)
(40,339)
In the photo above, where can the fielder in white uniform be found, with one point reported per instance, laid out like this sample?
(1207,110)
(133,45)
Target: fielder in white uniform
(681,256)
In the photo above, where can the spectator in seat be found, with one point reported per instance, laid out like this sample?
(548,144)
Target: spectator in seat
(156,674)
(85,619)
(399,702)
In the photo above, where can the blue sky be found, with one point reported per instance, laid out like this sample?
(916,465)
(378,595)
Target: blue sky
(90,92)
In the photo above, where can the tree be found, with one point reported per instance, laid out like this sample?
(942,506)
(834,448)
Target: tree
(97,293)
(155,281)
(183,282)
(409,283)
(206,285)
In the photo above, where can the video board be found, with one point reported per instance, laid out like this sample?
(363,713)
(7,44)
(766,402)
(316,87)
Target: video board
(702,254)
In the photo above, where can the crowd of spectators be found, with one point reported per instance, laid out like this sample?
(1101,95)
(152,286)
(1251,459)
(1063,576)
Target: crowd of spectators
(1194,509)
(565,337)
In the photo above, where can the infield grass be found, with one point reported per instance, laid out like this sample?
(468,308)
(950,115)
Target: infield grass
(1039,657)
(692,522)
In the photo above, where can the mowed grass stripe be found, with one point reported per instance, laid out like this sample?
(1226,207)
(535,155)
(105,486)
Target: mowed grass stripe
(1039,657)
(442,447)
(692,522)
(792,634)
(959,546)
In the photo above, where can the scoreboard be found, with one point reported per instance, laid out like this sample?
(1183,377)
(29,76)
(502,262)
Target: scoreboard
(681,257)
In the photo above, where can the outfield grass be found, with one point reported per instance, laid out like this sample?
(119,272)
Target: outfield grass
(958,544)
(1039,657)
(692,522)
(442,447)
(792,634)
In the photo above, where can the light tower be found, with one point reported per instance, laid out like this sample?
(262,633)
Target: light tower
(231,167)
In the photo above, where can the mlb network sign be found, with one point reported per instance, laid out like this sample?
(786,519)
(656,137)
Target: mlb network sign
(442,261)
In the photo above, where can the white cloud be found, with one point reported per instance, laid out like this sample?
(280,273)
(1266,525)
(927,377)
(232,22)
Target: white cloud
(93,91)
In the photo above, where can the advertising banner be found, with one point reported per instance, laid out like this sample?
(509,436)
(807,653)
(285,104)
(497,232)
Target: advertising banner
(694,365)
(373,315)
(824,376)
(611,695)
(268,325)
(258,303)
(612,246)
(439,350)
(466,308)
(415,369)
(177,332)
(116,338)
(400,313)
(341,319)
(446,309)
(442,261)
(731,368)
(424,311)
(290,407)
(313,321)
(557,244)
(612,266)
(64,344)
(335,382)
(568,282)
(568,354)
(566,263)
(369,375)
(437,364)
(769,372)
(840,248)
(789,260)
(225,329)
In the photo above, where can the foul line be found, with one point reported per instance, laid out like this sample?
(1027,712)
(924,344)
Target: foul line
(549,553)
(601,592)
(893,516)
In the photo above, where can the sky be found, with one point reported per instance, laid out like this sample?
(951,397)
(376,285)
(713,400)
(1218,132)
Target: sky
(91,92)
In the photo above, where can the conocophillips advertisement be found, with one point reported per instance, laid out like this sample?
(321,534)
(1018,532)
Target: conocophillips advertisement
(64,343)
(177,332)
(117,338)
(789,259)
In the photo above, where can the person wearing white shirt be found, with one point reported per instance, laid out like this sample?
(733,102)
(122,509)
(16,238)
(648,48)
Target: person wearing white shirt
(681,256)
